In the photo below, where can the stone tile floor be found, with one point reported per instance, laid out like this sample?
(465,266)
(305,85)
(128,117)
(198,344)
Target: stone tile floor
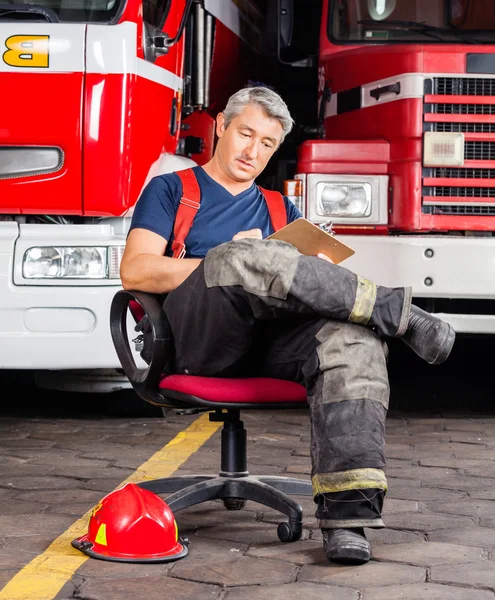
(440,511)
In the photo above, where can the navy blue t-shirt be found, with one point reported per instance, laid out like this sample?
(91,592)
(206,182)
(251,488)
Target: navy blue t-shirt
(220,216)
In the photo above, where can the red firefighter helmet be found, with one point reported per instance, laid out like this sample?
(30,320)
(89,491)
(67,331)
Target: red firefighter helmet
(132,524)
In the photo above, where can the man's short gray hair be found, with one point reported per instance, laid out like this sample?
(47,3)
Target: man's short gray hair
(269,101)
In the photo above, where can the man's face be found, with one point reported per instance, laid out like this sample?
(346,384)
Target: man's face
(247,144)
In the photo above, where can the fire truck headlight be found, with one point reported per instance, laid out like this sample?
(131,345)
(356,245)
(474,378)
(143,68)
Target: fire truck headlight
(443,149)
(42,262)
(115,254)
(66,262)
(344,199)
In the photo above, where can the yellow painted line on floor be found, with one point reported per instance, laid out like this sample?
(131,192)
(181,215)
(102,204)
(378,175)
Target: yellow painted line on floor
(46,574)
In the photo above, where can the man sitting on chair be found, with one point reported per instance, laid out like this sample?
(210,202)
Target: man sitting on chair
(241,305)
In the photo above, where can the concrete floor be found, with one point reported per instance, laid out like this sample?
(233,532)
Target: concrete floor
(438,543)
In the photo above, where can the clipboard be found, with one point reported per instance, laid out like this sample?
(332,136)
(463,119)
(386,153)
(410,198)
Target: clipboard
(310,239)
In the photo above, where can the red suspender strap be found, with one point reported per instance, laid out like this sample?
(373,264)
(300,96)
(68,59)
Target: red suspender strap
(190,202)
(276,208)
(188,207)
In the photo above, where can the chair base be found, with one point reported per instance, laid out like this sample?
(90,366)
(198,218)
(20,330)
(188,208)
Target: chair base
(271,491)
(234,485)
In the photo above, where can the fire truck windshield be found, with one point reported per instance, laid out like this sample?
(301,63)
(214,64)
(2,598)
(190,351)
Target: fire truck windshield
(67,11)
(412,21)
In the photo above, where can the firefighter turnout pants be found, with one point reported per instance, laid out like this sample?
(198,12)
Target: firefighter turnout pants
(260,308)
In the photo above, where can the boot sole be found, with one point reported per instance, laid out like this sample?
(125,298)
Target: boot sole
(446,347)
(350,559)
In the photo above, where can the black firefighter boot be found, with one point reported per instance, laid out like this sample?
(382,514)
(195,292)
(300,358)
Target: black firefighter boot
(384,308)
(346,546)
(431,338)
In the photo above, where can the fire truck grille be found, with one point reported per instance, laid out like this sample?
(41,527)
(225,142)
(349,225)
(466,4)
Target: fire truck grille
(473,119)
(460,192)
(464,127)
(462,109)
(479,150)
(451,173)
(477,211)
(463,86)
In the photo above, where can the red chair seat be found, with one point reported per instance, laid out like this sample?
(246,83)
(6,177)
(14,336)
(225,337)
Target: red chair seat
(252,389)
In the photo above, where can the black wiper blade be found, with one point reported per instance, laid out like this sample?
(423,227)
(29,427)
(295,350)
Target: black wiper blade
(422,27)
(48,13)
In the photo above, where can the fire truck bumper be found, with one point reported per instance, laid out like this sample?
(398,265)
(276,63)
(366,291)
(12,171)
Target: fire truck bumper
(437,267)
(52,325)
(45,328)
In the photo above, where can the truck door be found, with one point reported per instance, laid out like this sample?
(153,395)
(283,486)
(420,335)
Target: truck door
(41,78)
(133,104)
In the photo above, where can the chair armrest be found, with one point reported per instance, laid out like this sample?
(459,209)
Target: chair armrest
(145,381)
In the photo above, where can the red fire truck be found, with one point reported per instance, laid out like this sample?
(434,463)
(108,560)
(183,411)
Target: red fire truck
(101,95)
(403,163)
(93,95)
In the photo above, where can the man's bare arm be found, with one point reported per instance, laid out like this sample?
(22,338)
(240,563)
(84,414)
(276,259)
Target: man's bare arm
(250,233)
(145,268)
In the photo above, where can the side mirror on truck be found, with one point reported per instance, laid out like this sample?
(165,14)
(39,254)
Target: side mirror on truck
(286,21)
(158,42)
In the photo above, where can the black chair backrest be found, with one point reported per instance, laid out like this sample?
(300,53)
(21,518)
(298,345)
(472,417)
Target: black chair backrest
(147,310)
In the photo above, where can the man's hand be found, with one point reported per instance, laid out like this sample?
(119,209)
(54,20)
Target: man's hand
(250,233)
(325,257)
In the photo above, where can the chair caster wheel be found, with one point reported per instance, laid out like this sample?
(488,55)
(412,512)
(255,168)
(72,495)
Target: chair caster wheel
(234,503)
(289,532)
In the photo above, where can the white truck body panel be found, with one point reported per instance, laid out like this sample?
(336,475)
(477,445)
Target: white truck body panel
(452,267)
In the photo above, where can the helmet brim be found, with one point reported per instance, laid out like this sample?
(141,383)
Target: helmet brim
(84,544)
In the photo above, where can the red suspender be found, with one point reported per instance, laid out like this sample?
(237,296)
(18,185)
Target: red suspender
(190,202)
(188,207)
(276,208)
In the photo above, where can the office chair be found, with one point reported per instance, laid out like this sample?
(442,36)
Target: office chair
(223,398)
